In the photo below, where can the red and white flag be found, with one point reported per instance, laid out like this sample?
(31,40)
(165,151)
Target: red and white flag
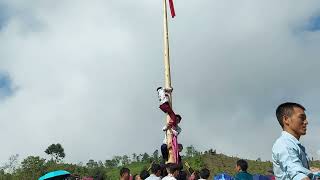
(173,13)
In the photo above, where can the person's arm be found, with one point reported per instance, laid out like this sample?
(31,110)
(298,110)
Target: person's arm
(176,131)
(189,168)
(179,129)
(289,160)
(168,90)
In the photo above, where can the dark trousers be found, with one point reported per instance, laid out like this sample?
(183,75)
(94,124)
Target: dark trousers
(164,152)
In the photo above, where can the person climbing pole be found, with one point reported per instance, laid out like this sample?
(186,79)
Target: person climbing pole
(163,95)
(172,125)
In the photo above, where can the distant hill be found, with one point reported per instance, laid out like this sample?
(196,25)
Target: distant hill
(216,163)
(33,167)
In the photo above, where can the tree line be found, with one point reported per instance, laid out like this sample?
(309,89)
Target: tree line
(32,167)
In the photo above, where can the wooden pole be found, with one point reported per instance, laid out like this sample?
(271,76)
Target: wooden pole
(166,47)
(167,77)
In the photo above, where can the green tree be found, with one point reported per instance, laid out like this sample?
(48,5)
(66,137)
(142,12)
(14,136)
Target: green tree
(100,164)
(155,155)
(134,157)
(110,163)
(33,167)
(12,164)
(117,160)
(92,164)
(190,151)
(138,157)
(56,152)
(145,157)
(125,160)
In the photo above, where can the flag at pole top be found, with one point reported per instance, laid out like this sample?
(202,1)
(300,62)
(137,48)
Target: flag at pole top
(173,13)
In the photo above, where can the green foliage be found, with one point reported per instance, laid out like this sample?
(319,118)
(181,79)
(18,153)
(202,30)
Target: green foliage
(33,167)
(56,151)
(125,160)
(12,164)
(117,160)
(191,151)
(155,156)
(145,157)
(92,164)
(110,164)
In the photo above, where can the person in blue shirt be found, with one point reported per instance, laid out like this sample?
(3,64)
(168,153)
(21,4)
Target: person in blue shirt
(241,168)
(289,157)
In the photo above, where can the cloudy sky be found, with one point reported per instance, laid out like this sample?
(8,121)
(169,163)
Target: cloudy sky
(84,74)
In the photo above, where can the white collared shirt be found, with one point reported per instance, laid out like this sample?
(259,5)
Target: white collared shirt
(289,158)
(176,132)
(153,177)
(169,177)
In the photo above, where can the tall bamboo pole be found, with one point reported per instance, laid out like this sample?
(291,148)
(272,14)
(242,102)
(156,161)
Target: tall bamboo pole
(167,77)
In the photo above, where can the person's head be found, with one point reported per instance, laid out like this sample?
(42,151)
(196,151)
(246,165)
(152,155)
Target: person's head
(124,173)
(182,175)
(204,173)
(144,174)
(173,169)
(156,170)
(136,177)
(180,147)
(159,88)
(195,175)
(179,118)
(164,171)
(292,118)
(242,165)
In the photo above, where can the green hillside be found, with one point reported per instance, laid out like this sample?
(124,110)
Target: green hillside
(33,167)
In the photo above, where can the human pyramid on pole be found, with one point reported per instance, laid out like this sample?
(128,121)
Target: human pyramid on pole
(170,146)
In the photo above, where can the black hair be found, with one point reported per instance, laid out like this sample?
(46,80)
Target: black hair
(155,168)
(180,166)
(196,174)
(178,117)
(204,173)
(286,109)
(134,176)
(242,164)
(164,171)
(182,175)
(172,167)
(144,174)
(124,170)
(159,88)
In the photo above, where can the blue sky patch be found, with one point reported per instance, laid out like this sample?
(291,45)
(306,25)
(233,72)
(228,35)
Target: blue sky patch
(5,85)
(4,14)
(314,24)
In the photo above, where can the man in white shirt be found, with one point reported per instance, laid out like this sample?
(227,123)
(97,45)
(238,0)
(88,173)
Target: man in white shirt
(156,172)
(290,160)
(173,171)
